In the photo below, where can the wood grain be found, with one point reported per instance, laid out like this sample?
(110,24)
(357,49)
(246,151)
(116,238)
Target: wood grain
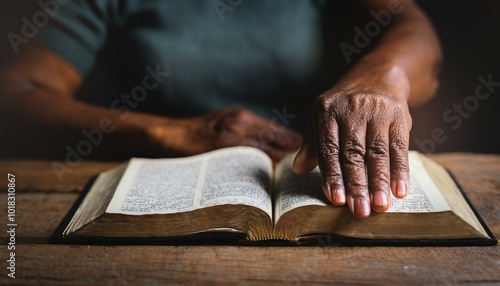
(38,215)
(65,265)
(479,176)
(42,201)
(39,176)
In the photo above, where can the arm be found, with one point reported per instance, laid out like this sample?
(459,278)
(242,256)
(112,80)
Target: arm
(360,127)
(40,86)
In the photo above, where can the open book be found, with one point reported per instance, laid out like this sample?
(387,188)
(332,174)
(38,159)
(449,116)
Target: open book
(236,190)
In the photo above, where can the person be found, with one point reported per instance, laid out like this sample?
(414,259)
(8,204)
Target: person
(202,75)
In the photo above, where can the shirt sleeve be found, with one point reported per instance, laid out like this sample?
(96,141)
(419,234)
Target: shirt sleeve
(76,31)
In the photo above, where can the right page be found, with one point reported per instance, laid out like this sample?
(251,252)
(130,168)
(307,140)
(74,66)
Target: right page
(451,193)
(292,191)
(431,210)
(295,191)
(423,195)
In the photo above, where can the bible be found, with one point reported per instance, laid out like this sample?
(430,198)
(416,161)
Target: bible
(237,191)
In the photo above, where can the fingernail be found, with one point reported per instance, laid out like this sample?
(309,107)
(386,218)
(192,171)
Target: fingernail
(401,189)
(338,196)
(361,207)
(380,199)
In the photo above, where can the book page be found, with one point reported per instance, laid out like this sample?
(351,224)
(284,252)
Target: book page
(295,191)
(423,195)
(97,199)
(242,177)
(238,175)
(452,194)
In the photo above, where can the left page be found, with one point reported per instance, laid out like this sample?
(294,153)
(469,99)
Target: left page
(237,175)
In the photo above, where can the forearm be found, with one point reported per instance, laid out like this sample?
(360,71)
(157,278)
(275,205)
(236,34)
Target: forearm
(37,95)
(123,133)
(411,45)
(360,127)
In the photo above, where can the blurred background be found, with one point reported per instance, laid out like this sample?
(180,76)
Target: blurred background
(470,37)
(469,31)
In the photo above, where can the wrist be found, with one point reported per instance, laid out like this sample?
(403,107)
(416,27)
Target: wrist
(165,137)
(376,74)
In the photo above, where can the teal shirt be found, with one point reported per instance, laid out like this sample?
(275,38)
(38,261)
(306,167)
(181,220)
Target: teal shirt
(258,54)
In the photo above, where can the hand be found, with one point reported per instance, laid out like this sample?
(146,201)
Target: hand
(359,139)
(225,128)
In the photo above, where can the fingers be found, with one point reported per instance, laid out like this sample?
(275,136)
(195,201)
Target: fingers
(352,148)
(380,158)
(361,143)
(400,173)
(326,133)
(274,139)
(282,137)
(237,126)
(378,164)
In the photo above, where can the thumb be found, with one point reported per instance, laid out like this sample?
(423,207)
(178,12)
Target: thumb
(306,159)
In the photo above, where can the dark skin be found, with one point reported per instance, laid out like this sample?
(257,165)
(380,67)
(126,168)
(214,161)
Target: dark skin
(359,133)
(360,127)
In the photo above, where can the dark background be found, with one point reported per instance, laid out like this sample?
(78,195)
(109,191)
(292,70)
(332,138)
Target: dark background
(469,31)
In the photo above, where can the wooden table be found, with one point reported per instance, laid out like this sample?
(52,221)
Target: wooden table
(42,201)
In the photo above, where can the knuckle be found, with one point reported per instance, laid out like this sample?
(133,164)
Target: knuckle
(322,104)
(356,98)
(328,151)
(381,103)
(409,121)
(231,120)
(266,135)
(238,113)
(402,112)
(357,101)
(353,153)
(226,126)
(370,100)
(399,144)
(377,149)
